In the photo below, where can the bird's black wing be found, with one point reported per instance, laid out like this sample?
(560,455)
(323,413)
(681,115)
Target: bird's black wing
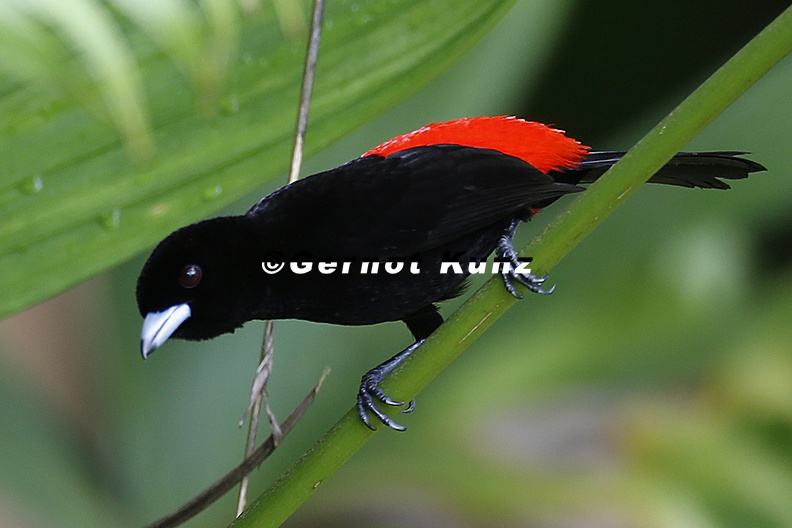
(410,201)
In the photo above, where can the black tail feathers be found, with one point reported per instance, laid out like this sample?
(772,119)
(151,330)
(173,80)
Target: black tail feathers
(686,169)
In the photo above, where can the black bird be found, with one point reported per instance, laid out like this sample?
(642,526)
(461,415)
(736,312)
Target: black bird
(425,207)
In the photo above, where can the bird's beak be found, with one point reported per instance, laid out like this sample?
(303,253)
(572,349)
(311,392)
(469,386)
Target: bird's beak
(159,326)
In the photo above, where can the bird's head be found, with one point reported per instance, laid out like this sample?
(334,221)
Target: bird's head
(193,284)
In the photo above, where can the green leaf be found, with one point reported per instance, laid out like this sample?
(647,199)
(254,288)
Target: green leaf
(110,144)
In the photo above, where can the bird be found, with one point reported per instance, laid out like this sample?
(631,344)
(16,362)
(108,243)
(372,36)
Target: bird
(385,237)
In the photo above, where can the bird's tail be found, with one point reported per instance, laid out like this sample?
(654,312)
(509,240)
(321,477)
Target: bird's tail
(686,169)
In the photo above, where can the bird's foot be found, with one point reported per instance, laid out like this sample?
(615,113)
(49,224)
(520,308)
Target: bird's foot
(370,390)
(515,268)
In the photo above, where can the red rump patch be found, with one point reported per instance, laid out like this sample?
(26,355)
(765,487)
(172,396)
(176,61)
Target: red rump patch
(543,147)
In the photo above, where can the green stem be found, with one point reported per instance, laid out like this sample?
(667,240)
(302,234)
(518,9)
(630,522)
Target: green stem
(342,441)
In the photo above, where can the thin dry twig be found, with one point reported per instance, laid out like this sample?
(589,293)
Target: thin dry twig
(258,395)
(309,73)
(259,391)
(203,500)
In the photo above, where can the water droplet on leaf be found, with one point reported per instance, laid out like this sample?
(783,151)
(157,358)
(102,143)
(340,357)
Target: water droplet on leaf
(31,185)
(111,220)
(231,104)
(213,192)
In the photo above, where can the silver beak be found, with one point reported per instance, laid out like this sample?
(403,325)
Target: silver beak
(159,326)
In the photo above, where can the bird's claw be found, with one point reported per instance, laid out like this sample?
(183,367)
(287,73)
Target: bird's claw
(512,267)
(370,391)
(529,280)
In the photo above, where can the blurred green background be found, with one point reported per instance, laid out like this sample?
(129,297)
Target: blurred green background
(653,389)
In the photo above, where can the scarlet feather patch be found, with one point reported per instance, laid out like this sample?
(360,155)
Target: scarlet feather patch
(545,148)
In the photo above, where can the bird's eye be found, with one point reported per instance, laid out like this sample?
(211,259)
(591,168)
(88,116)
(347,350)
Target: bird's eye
(190,276)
